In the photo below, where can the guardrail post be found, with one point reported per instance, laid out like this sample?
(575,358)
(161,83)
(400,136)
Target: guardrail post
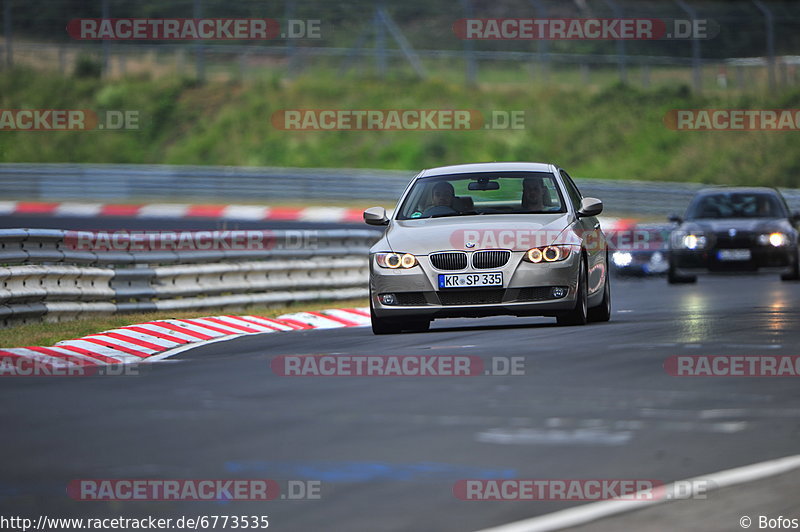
(380,40)
(106,15)
(7,29)
(469,46)
(621,55)
(543,46)
(697,79)
(200,60)
(291,49)
(769,21)
(62,59)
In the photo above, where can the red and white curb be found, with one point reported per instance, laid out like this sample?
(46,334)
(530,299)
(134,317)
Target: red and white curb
(157,340)
(179,210)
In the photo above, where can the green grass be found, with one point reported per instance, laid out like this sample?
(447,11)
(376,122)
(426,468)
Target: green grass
(46,334)
(611,131)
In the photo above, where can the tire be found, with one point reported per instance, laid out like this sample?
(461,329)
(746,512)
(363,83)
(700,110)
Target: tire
(389,326)
(794,275)
(578,315)
(602,312)
(383,325)
(417,326)
(674,278)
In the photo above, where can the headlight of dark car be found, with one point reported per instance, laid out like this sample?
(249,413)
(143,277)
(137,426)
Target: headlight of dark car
(691,240)
(774,239)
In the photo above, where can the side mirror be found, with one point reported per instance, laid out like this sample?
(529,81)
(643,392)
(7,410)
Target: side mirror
(674,218)
(590,207)
(376,216)
(796,216)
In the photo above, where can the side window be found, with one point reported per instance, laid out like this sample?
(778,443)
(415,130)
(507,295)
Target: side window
(572,191)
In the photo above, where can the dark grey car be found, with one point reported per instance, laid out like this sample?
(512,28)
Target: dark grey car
(734,229)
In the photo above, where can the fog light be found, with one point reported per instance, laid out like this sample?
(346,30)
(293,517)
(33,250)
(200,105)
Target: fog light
(559,291)
(387,299)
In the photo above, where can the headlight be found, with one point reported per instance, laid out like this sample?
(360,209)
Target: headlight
(548,254)
(775,239)
(622,258)
(684,240)
(692,241)
(395,260)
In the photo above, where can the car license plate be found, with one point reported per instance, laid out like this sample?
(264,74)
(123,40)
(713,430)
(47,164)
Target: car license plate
(734,254)
(468,280)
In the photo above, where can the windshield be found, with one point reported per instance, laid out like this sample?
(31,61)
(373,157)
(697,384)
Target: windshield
(476,194)
(737,205)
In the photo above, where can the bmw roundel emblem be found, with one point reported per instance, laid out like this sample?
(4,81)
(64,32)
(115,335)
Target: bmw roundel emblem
(470,244)
(731,232)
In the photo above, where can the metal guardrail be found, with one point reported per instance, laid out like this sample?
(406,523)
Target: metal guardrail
(44,275)
(129,181)
(228,183)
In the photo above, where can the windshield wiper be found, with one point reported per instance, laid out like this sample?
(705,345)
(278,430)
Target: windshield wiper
(444,215)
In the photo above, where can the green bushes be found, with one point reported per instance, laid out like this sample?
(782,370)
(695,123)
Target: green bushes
(614,133)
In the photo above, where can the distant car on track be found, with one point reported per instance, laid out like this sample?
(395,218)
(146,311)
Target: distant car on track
(734,229)
(489,239)
(639,249)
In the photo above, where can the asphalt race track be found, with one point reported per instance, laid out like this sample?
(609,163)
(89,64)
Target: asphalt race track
(595,402)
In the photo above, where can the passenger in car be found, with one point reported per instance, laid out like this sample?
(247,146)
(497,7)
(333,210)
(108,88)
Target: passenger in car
(535,196)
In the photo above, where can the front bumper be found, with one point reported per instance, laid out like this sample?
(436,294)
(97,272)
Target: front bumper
(763,259)
(526,290)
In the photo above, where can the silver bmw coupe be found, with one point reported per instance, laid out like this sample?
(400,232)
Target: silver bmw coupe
(489,239)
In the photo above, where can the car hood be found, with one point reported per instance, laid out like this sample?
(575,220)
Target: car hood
(495,231)
(749,225)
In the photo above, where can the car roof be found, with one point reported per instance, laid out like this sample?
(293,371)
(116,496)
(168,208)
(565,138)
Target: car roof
(725,190)
(487,167)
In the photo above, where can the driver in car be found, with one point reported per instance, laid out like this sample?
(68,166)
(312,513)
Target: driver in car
(443,195)
(535,197)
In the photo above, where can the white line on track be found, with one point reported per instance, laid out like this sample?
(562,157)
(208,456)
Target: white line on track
(588,513)
(172,352)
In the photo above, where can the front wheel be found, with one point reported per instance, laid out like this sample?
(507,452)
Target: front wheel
(383,325)
(578,315)
(602,312)
(674,278)
(794,275)
(396,326)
